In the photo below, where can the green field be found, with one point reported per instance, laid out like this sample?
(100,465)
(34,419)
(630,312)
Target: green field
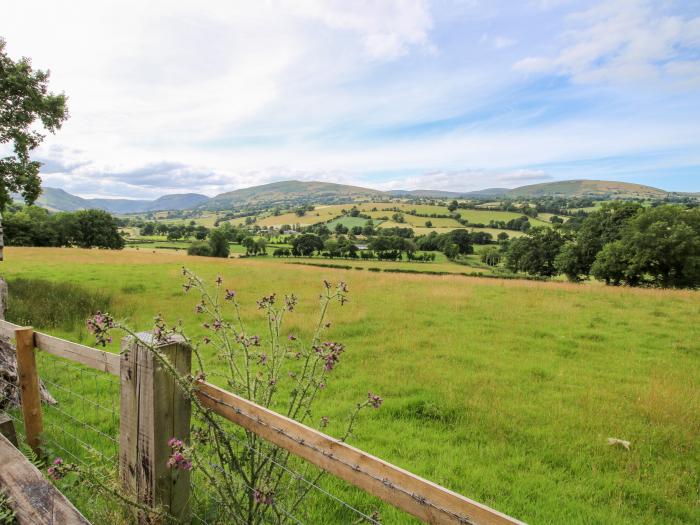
(505,391)
(347,221)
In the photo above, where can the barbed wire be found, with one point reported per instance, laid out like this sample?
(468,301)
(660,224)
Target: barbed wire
(465,520)
(310,483)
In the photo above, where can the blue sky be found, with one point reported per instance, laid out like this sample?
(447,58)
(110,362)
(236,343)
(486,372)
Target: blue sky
(459,95)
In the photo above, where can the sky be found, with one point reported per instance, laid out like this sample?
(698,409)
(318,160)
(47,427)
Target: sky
(207,97)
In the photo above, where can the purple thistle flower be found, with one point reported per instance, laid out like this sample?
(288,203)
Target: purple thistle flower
(374,400)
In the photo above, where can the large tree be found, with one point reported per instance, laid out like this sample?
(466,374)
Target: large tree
(27,111)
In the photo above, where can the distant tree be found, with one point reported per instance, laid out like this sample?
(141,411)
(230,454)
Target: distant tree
(502,236)
(536,252)
(218,243)
(331,248)
(612,265)
(306,244)
(451,251)
(24,100)
(601,227)
(491,256)
(341,229)
(148,229)
(428,224)
(658,246)
(463,239)
(453,206)
(250,245)
(97,228)
(201,232)
(199,248)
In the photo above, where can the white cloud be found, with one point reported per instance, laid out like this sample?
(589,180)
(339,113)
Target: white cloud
(173,96)
(622,40)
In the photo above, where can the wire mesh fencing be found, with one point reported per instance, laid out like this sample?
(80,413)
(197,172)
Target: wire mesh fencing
(287,488)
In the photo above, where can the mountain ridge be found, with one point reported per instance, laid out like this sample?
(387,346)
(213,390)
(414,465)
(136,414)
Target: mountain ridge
(296,193)
(56,199)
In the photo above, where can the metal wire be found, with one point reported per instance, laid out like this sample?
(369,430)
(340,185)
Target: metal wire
(310,483)
(79,426)
(466,520)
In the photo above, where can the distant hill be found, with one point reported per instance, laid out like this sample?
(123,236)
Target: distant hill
(428,194)
(292,193)
(56,199)
(589,188)
(288,193)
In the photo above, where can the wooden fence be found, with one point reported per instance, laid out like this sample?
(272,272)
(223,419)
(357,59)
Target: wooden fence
(152,410)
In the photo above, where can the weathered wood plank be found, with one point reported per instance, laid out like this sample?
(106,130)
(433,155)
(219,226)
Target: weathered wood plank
(415,495)
(92,357)
(154,409)
(28,380)
(98,359)
(34,500)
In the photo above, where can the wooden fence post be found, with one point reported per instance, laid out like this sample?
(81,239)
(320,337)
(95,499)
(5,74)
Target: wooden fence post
(154,409)
(30,394)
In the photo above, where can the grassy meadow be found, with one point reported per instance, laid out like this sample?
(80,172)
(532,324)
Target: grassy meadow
(505,391)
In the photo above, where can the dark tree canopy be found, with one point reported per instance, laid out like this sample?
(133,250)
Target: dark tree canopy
(97,228)
(24,100)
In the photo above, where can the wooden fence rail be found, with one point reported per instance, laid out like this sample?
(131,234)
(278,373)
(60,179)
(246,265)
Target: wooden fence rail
(417,496)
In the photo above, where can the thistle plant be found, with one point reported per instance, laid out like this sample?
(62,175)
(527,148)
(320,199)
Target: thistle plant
(250,480)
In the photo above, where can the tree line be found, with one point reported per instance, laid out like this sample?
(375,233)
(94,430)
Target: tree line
(35,226)
(622,243)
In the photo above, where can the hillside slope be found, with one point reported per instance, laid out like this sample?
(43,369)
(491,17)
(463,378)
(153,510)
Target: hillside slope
(589,188)
(289,193)
(56,199)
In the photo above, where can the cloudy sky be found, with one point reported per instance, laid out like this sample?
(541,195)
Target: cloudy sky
(211,96)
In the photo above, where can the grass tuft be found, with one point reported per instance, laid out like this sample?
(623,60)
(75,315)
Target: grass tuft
(51,305)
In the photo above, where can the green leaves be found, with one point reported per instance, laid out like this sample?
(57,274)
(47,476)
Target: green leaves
(24,99)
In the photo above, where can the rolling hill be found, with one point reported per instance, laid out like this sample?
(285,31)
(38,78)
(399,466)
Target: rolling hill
(56,199)
(588,188)
(291,192)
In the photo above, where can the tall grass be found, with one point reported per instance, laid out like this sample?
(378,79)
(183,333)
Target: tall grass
(503,390)
(53,305)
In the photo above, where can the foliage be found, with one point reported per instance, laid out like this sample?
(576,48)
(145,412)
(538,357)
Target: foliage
(491,256)
(218,243)
(277,371)
(659,246)
(34,226)
(306,244)
(24,100)
(96,228)
(7,515)
(535,253)
(200,248)
(595,231)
